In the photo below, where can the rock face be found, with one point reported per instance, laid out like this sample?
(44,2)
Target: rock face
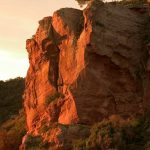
(84,66)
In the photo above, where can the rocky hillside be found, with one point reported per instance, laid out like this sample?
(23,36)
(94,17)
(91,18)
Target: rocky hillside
(85,66)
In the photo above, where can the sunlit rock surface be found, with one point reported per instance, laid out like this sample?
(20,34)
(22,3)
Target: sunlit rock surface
(84,66)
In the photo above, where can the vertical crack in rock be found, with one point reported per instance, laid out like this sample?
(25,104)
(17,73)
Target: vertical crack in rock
(34,95)
(58,78)
(53,55)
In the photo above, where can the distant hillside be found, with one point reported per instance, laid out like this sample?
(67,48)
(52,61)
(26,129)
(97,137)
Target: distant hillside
(12,118)
(10,97)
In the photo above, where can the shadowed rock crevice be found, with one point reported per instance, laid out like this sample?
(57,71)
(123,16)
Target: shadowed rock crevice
(53,55)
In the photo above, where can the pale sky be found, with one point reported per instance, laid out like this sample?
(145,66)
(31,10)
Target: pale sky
(18,22)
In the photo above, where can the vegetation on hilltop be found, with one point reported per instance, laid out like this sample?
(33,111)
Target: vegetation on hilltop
(82,2)
(123,2)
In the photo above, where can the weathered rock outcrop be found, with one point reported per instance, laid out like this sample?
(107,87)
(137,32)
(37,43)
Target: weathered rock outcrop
(84,66)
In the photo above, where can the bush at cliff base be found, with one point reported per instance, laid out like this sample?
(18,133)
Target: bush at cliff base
(117,134)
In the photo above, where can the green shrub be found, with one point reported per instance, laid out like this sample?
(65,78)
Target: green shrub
(79,145)
(53,97)
(108,134)
(147,31)
(44,129)
(35,143)
(147,38)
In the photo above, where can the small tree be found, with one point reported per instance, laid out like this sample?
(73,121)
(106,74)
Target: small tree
(82,2)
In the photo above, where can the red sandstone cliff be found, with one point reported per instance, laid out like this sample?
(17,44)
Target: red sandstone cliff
(84,66)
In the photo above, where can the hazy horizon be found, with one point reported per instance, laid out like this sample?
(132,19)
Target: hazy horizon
(19,21)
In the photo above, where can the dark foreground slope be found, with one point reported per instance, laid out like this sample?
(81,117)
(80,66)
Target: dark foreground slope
(12,118)
(11,92)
